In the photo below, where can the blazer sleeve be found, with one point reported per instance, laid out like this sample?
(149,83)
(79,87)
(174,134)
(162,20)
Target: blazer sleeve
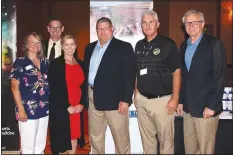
(83,96)
(129,71)
(50,77)
(84,88)
(219,75)
(182,86)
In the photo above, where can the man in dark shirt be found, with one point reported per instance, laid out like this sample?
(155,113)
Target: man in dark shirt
(203,73)
(157,86)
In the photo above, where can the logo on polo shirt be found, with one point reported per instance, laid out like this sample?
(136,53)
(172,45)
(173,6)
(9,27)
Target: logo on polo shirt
(156,51)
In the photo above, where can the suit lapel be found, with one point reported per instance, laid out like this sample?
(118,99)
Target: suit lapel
(107,51)
(62,68)
(183,50)
(198,52)
(90,52)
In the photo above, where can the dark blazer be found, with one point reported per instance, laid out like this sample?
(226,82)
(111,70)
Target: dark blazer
(59,117)
(115,78)
(46,45)
(203,85)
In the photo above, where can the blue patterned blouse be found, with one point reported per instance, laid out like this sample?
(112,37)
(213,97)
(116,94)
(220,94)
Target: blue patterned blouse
(33,85)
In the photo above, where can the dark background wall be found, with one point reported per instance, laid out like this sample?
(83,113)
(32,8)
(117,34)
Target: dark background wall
(33,15)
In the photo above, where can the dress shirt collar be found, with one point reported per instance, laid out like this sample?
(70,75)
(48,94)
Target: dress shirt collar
(196,42)
(152,41)
(58,43)
(105,45)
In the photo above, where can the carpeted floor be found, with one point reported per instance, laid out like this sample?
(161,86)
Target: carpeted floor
(84,150)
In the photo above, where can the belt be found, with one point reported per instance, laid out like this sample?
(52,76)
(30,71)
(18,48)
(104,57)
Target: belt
(91,87)
(151,96)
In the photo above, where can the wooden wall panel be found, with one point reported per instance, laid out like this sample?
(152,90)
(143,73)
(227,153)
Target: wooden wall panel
(179,7)
(33,15)
(162,9)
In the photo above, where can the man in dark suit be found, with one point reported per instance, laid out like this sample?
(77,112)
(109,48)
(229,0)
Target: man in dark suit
(110,70)
(53,45)
(203,75)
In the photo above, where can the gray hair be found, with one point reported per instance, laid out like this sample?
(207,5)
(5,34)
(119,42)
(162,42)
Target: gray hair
(193,11)
(150,12)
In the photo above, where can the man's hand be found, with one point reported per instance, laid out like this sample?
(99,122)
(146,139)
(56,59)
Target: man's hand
(123,108)
(180,109)
(171,106)
(208,113)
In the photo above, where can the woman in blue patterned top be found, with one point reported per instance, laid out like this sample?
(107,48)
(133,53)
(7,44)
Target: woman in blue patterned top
(30,89)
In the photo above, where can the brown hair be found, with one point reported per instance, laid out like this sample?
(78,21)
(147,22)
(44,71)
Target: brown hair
(54,18)
(40,54)
(102,20)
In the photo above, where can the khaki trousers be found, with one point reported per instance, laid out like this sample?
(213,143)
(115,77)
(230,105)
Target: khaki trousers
(153,120)
(199,134)
(118,124)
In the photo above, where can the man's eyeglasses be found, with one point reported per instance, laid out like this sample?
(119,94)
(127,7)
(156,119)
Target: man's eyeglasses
(55,28)
(103,29)
(193,23)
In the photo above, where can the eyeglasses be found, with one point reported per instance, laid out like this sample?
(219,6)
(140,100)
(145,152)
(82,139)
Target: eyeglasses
(193,23)
(103,29)
(55,28)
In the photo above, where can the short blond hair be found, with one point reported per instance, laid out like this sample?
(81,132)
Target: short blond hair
(67,36)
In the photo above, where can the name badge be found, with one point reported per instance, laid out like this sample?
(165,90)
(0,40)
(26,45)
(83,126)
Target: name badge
(143,71)
(28,67)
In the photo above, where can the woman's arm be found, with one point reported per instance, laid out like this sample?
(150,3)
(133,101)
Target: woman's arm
(18,99)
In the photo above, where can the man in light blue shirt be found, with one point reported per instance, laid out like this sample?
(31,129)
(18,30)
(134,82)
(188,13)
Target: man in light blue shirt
(191,48)
(202,86)
(110,70)
(95,61)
